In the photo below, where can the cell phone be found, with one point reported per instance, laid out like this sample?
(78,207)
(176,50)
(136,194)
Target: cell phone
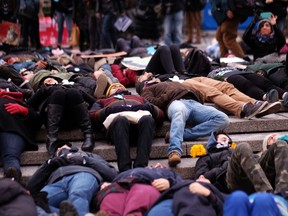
(265,15)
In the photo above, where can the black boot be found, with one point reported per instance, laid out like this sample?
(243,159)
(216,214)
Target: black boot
(54,115)
(86,127)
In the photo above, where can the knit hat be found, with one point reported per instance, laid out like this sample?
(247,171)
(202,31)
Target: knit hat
(266,138)
(261,23)
(111,86)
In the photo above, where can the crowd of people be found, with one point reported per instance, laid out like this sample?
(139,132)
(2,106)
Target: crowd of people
(60,90)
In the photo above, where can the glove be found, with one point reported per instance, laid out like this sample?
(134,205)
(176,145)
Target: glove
(14,108)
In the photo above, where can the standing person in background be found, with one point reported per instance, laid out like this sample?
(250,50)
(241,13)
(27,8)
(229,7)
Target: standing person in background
(193,20)
(29,20)
(110,10)
(148,13)
(228,21)
(8,10)
(62,10)
(94,21)
(173,21)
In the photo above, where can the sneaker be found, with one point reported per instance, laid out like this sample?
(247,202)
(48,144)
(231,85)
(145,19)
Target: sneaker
(269,109)
(272,96)
(67,209)
(285,99)
(174,158)
(167,137)
(101,85)
(13,174)
(250,110)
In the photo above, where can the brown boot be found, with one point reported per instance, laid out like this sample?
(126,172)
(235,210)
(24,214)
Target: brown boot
(174,158)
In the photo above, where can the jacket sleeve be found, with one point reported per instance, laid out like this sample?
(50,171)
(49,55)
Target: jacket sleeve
(39,178)
(247,36)
(106,170)
(161,100)
(280,37)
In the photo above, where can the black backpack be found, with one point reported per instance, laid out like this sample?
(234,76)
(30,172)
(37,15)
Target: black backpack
(196,62)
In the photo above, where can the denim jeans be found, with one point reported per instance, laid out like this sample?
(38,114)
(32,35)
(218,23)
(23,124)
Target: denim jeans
(78,188)
(11,147)
(60,22)
(173,24)
(204,120)
(165,207)
(238,204)
(108,31)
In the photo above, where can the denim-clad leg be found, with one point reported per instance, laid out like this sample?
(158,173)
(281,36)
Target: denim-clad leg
(205,119)
(11,147)
(77,188)
(178,114)
(165,207)
(173,24)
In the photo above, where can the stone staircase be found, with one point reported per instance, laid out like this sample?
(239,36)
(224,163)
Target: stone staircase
(240,130)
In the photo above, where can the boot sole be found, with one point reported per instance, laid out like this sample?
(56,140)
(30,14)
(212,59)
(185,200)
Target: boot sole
(269,109)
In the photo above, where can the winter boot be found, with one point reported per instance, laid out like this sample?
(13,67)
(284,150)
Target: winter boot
(54,115)
(86,127)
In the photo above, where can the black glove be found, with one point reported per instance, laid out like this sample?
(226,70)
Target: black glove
(41,200)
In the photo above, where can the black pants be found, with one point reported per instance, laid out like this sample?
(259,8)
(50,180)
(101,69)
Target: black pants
(253,85)
(166,60)
(123,134)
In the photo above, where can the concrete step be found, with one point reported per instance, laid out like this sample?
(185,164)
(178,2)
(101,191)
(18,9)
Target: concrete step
(272,122)
(240,130)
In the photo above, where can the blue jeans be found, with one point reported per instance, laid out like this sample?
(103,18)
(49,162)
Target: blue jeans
(204,120)
(109,34)
(238,204)
(60,22)
(165,207)
(173,24)
(11,147)
(78,188)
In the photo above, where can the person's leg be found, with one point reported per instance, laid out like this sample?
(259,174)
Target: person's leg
(167,29)
(213,95)
(264,204)
(246,86)
(237,204)
(177,24)
(140,198)
(92,25)
(55,110)
(189,26)
(178,114)
(263,83)
(165,207)
(177,59)
(244,172)
(79,109)
(230,33)
(203,120)
(146,129)
(280,78)
(114,203)
(60,24)
(161,62)
(57,192)
(24,31)
(219,37)
(12,146)
(197,26)
(275,165)
(107,35)
(118,132)
(81,188)
(69,23)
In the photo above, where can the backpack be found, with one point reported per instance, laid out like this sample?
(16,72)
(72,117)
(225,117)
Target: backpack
(197,62)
